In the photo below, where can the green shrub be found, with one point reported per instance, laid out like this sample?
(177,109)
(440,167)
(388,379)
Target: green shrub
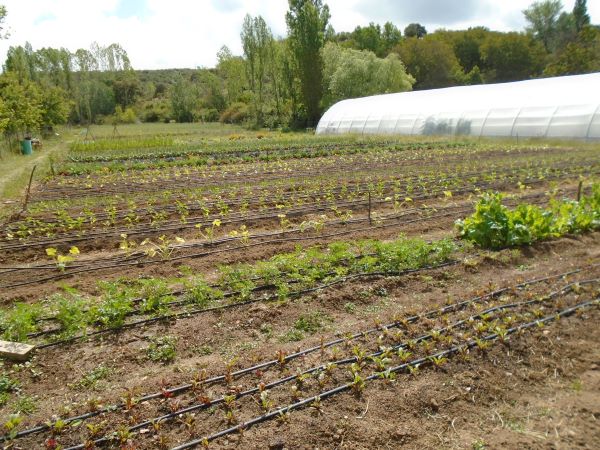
(236,113)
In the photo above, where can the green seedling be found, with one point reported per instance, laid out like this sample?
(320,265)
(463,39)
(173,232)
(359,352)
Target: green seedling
(60,259)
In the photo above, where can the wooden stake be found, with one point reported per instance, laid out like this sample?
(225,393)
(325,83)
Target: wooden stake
(579,189)
(28,189)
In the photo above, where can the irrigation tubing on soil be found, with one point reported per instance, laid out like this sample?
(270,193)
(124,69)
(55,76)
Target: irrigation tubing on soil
(213,252)
(401,368)
(412,319)
(337,363)
(195,222)
(363,187)
(138,187)
(230,294)
(234,248)
(423,361)
(185,314)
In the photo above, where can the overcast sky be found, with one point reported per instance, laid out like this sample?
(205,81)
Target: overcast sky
(188,33)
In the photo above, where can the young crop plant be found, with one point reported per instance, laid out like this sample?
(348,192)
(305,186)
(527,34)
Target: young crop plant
(265,402)
(358,383)
(156,294)
(126,244)
(163,248)
(404,354)
(494,226)
(438,361)
(19,321)
(60,259)
(10,426)
(112,309)
(71,313)
(200,293)
(242,234)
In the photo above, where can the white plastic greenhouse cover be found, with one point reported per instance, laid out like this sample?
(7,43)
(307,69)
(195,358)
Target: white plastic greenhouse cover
(561,107)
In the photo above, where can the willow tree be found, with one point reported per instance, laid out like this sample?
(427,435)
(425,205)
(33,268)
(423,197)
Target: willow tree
(350,73)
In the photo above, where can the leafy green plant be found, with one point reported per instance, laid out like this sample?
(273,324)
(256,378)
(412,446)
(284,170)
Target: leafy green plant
(71,313)
(112,309)
(494,226)
(155,293)
(19,321)
(162,349)
(200,293)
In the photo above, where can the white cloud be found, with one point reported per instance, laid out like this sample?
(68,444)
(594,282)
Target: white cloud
(183,33)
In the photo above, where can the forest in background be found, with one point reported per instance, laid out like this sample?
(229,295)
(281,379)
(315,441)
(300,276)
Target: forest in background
(287,82)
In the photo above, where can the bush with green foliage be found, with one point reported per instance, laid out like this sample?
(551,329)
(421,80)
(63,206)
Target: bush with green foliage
(236,113)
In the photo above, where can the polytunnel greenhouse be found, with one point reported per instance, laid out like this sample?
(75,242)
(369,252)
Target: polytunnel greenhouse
(561,107)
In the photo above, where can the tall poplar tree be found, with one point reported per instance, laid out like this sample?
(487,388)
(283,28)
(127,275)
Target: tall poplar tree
(307,23)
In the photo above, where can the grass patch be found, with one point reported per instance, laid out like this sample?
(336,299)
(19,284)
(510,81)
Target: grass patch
(162,349)
(306,325)
(91,379)
(24,405)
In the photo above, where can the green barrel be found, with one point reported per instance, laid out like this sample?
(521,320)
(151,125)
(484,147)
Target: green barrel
(26,148)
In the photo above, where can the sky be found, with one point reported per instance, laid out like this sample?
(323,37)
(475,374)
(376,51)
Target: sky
(159,34)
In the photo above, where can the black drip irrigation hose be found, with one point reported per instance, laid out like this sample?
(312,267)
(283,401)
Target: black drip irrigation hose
(287,358)
(193,221)
(244,246)
(229,294)
(401,368)
(500,166)
(269,151)
(357,187)
(186,314)
(268,298)
(353,184)
(345,387)
(273,174)
(384,177)
(341,362)
(218,251)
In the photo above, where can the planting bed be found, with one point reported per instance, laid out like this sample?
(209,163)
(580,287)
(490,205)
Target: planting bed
(304,293)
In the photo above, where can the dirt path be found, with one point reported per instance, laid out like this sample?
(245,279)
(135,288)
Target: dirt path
(15,174)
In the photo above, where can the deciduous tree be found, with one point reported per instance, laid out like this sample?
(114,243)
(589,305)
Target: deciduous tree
(307,22)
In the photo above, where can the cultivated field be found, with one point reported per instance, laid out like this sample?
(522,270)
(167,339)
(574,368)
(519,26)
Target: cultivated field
(207,286)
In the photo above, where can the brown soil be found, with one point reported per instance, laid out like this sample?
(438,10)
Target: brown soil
(514,396)
(416,225)
(538,389)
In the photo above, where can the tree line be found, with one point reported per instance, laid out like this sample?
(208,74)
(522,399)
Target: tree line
(288,82)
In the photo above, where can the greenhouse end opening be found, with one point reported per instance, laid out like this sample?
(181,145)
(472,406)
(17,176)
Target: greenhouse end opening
(562,107)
